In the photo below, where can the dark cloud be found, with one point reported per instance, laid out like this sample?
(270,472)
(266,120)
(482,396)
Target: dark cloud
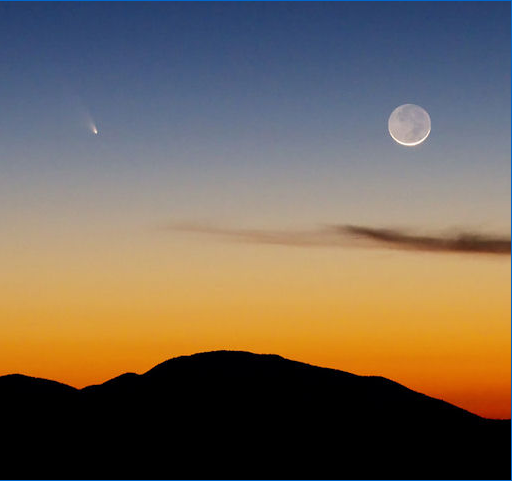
(456,243)
(360,236)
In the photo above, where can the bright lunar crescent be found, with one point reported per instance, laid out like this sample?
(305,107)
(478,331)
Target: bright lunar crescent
(409,125)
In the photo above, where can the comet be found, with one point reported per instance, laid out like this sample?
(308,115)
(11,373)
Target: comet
(92,127)
(81,111)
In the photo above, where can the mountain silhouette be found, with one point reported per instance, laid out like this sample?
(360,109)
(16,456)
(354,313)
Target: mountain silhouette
(239,415)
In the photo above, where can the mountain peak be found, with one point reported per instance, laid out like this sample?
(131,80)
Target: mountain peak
(236,414)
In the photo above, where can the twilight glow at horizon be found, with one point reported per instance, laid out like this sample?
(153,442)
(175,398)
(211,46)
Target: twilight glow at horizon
(315,180)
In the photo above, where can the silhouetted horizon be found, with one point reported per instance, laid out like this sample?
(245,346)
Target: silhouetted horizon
(57,385)
(234,414)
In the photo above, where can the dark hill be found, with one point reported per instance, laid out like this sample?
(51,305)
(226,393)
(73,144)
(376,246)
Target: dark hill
(22,386)
(225,415)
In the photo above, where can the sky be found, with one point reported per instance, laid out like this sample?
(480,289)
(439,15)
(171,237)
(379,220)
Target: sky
(224,119)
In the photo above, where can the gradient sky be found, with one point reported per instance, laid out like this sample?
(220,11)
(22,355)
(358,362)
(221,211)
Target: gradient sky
(259,116)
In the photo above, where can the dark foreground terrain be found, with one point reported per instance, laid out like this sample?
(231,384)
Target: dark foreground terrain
(224,415)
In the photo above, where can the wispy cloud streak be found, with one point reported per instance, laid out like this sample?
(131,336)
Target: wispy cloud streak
(346,235)
(463,242)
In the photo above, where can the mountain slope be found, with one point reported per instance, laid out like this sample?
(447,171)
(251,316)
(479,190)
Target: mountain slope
(240,415)
(17,385)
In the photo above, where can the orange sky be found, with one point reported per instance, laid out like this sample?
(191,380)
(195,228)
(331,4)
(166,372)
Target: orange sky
(84,312)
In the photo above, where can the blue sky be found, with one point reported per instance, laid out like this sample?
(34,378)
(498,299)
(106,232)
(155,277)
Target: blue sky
(255,111)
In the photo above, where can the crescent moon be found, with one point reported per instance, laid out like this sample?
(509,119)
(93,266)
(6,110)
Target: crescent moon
(409,125)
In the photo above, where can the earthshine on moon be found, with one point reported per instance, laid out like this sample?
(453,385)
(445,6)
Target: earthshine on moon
(409,125)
